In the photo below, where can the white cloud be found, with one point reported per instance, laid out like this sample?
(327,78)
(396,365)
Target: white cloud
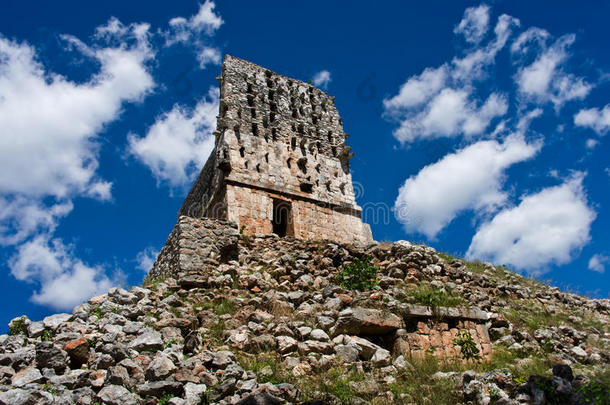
(442,102)
(544,79)
(470,178)
(550,226)
(205,21)
(177,145)
(598,262)
(418,89)
(474,24)
(49,151)
(22,217)
(594,118)
(591,143)
(146,258)
(322,79)
(64,280)
(52,122)
(451,113)
(208,55)
(193,30)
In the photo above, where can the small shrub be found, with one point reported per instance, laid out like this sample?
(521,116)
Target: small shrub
(469,351)
(47,335)
(360,275)
(18,328)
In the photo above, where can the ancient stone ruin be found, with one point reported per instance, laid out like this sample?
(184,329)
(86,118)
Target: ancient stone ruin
(235,311)
(280,163)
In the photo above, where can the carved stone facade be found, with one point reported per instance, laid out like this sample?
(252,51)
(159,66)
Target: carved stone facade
(280,163)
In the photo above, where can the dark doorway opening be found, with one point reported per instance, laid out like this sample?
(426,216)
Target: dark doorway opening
(282,218)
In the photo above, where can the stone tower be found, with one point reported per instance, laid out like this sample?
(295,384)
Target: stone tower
(280,163)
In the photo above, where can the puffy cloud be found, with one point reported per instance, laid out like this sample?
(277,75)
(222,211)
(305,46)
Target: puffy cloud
(443,101)
(418,89)
(544,79)
(64,280)
(550,226)
(193,30)
(22,217)
(322,79)
(474,24)
(205,21)
(177,145)
(208,55)
(597,262)
(470,178)
(49,151)
(34,105)
(451,113)
(594,118)
(146,258)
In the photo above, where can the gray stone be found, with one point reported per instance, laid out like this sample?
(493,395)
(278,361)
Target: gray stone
(319,334)
(160,367)
(579,353)
(26,376)
(53,321)
(49,356)
(35,329)
(193,393)
(381,358)
(160,388)
(286,344)
(347,353)
(117,395)
(147,341)
(358,320)
(222,359)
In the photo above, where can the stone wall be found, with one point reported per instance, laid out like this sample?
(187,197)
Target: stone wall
(429,331)
(253,210)
(193,246)
(285,137)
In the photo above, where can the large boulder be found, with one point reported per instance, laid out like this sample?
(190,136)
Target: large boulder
(366,321)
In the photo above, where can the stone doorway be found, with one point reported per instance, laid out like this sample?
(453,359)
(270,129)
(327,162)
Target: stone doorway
(282,218)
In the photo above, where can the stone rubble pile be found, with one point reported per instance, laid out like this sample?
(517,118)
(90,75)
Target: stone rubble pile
(217,306)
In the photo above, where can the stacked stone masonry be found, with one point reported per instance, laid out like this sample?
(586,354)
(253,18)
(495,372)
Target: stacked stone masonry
(197,248)
(280,158)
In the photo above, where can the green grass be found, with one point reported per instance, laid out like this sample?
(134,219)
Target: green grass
(257,362)
(424,294)
(416,385)
(220,307)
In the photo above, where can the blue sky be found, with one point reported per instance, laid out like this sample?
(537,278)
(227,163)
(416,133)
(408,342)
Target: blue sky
(480,128)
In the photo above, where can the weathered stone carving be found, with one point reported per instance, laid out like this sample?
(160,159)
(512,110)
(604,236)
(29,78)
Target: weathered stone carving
(280,163)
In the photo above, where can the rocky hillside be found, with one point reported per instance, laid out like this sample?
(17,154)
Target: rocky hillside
(265,320)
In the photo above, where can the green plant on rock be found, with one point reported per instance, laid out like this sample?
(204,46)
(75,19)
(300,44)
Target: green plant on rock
(165,399)
(18,328)
(469,349)
(47,335)
(359,275)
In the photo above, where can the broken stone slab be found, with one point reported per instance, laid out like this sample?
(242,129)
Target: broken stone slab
(423,311)
(366,321)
